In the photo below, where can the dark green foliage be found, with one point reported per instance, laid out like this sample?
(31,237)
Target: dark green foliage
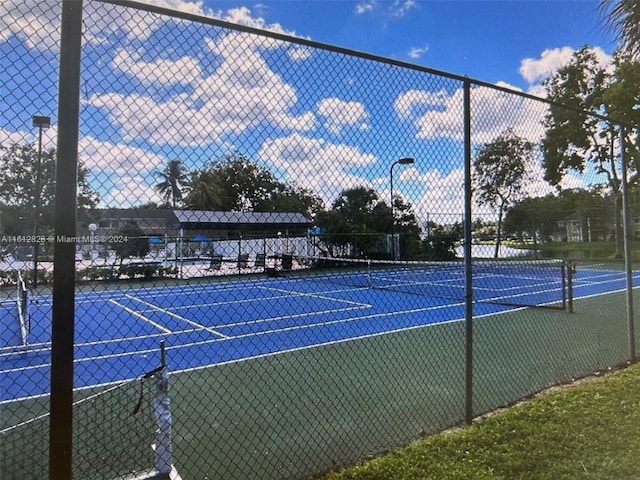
(500,174)
(623,18)
(359,224)
(574,139)
(441,245)
(19,165)
(237,183)
(173,178)
(130,241)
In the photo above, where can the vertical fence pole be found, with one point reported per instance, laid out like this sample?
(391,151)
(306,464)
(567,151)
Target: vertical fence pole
(468,286)
(62,322)
(626,225)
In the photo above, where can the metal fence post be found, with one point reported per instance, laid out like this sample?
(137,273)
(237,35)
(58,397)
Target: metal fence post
(62,324)
(626,219)
(468,286)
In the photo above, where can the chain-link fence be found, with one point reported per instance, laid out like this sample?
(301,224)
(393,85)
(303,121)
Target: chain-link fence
(286,256)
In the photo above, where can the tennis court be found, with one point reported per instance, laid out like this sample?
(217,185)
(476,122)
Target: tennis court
(118,331)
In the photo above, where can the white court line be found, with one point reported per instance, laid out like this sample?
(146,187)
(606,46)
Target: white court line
(599,279)
(288,294)
(174,315)
(40,347)
(295,293)
(140,316)
(264,332)
(293,315)
(272,354)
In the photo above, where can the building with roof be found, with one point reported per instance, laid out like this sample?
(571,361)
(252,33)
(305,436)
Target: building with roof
(199,224)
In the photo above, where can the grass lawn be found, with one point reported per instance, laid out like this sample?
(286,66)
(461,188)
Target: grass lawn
(589,430)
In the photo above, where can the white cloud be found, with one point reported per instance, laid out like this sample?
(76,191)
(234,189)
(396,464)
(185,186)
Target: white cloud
(128,191)
(97,155)
(443,197)
(243,16)
(305,160)
(396,8)
(339,114)
(243,92)
(440,114)
(37,23)
(366,6)
(106,157)
(8,138)
(33,21)
(183,70)
(399,8)
(407,103)
(298,53)
(417,52)
(550,60)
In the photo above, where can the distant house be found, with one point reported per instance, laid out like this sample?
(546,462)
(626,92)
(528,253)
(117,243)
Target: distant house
(198,224)
(577,228)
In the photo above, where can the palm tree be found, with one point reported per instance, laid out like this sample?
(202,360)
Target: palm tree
(623,18)
(172,179)
(203,191)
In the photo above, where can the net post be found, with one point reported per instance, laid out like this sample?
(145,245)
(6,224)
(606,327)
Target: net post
(163,354)
(571,269)
(564,285)
(162,409)
(24,318)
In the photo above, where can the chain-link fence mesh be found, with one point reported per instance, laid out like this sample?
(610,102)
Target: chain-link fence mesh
(288,220)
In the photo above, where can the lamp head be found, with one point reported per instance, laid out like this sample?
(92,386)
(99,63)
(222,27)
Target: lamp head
(407,161)
(41,121)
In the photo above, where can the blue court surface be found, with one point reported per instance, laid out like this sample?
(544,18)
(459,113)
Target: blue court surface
(118,332)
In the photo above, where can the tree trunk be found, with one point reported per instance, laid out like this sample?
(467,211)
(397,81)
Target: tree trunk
(496,254)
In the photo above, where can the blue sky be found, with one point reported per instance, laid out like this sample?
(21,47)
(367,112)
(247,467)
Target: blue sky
(154,89)
(483,39)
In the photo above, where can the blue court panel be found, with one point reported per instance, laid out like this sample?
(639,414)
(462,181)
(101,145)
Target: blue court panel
(117,333)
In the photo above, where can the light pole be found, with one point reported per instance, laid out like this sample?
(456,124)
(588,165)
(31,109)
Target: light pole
(402,161)
(92,228)
(41,123)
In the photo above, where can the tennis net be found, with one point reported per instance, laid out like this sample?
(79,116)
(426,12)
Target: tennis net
(22,301)
(525,283)
(113,429)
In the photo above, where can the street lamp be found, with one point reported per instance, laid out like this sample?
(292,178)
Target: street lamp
(41,123)
(92,229)
(402,161)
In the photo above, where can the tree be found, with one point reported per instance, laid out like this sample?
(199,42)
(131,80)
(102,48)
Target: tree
(405,224)
(359,221)
(19,166)
(441,243)
(236,183)
(292,199)
(130,241)
(173,178)
(203,191)
(349,223)
(623,18)
(500,174)
(540,217)
(575,139)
